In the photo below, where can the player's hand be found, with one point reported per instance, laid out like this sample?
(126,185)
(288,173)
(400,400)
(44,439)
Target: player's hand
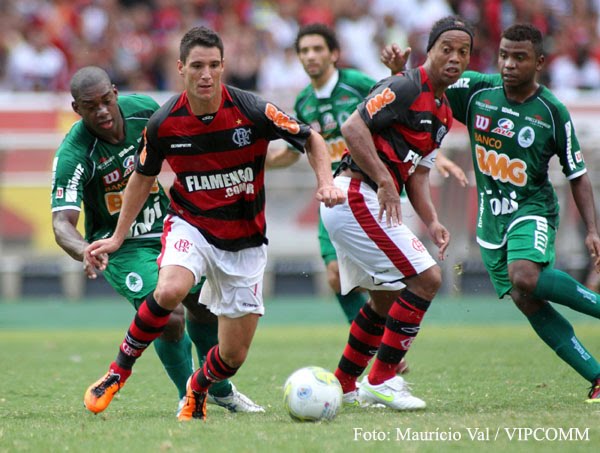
(330,195)
(89,268)
(592,242)
(448,168)
(441,237)
(389,203)
(97,252)
(394,57)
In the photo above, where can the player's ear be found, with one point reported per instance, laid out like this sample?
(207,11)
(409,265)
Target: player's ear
(180,67)
(75,107)
(335,56)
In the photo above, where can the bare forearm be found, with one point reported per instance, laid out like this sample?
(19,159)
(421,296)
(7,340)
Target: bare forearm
(64,225)
(419,194)
(280,158)
(319,159)
(363,151)
(584,200)
(69,239)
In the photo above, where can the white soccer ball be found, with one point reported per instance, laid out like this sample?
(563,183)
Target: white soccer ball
(312,394)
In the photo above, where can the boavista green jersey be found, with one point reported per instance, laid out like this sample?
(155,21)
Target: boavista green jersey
(511,146)
(326,110)
(89,170)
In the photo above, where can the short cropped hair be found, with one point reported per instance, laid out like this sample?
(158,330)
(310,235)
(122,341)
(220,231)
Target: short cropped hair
(199,36)
(86,77)
(526,32)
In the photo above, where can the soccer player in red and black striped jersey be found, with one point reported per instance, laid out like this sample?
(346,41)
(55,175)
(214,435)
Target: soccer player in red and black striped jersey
(392,139)
(215,139)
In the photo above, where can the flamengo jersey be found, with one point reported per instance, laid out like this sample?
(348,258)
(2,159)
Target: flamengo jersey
(326,115)
(219,167)
(406,121)
(511,146)
(96,172)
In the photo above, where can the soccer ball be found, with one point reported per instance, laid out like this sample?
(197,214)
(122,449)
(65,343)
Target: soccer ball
(312,394)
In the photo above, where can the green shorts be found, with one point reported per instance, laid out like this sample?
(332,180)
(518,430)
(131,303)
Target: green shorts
(327,249)
(531,240)
(133,271)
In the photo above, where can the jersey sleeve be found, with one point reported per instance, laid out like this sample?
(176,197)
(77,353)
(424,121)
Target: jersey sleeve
(149,157)
(388,103)
(273,121)
(460,92)
(69,177)
(567,146)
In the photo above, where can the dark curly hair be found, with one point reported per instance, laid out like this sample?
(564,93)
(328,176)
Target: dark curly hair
(526,32)
(318,29)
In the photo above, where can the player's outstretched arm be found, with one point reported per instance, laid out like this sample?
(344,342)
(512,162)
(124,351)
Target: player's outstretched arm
(448,168)
(319,160)
(64,225)
(134,197)
(419,194)
(280,156)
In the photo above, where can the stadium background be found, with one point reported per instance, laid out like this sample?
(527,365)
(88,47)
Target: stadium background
(43,42)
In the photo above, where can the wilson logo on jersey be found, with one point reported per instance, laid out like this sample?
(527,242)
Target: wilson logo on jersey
(379,101)
(281,120)
(112,177)
(500,167)
(482,122)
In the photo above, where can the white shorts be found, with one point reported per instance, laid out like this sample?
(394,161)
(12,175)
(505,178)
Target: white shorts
(234,280)
(370,254)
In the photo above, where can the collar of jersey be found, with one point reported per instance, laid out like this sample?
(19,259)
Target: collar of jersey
(327,89)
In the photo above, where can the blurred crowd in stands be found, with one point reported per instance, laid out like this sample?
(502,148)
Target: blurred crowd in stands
(42,42)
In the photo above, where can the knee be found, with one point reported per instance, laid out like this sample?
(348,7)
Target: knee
(527,305)
(175,326)
(333,277)
(429,283)
(524,279)
(168,296)
(234,358)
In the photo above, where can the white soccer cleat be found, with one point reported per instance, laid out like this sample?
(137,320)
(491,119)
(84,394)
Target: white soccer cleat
(351,399)
(393,393)
(235,402)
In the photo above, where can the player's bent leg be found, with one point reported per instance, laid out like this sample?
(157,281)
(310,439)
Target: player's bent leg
(222,362)
(174,349)
(202,327)
(148,324)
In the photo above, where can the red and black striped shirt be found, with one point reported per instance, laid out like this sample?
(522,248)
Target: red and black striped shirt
(406,121)
(219,164)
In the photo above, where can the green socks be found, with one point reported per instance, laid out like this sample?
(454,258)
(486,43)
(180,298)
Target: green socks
(176,357)
(352,303)
(560,287)
(557,333)
(205,336)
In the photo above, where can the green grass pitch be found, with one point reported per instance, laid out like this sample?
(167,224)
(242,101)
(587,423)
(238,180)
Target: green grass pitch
(489,383)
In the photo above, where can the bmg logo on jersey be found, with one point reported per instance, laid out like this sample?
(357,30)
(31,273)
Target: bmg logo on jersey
(379,101)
